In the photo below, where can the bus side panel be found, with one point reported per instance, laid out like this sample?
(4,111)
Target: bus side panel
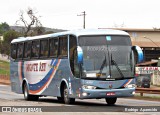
(62,73)
(16,85)
(44,77)
(39,74)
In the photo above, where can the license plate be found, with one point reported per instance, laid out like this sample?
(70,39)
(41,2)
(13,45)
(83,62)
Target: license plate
(110,93)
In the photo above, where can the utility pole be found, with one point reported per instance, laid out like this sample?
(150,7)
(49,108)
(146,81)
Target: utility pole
(84,16)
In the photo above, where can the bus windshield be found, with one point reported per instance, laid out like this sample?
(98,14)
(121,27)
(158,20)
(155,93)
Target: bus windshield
(106,57)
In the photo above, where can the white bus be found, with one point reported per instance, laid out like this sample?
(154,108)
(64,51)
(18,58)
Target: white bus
(80,64)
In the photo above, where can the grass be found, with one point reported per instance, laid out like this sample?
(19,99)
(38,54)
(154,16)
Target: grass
(4,68)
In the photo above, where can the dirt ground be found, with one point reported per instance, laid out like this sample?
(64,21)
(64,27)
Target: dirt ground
(4,80)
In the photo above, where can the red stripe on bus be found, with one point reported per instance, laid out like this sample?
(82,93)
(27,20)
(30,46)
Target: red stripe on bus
(127,82)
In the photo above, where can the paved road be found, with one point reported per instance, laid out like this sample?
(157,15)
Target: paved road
(51,104)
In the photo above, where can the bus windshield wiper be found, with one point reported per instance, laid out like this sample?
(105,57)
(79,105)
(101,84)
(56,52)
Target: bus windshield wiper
(114,63)
(102,66)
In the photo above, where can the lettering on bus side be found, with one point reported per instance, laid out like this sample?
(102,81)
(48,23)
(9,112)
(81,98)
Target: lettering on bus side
(42,67)
(36,67)
(32,67)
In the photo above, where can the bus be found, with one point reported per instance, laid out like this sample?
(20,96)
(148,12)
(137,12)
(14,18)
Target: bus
(77,64)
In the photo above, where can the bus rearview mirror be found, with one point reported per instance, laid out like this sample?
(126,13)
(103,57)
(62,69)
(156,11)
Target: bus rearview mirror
(79,55)
(139,53)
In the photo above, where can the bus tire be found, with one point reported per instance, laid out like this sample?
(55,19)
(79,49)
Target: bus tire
(27,96)
(111,101)
(66,98)
(60,99)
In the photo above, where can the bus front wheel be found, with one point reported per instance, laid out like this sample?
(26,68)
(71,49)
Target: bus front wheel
(67,99)
(60,99)
(111,101)
(27,96)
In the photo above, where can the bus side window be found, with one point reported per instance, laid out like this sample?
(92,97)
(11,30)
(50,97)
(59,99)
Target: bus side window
(63,42)
(44,48)
(73,56)
(35,49)
(53,47)
(13,51)
(27,49)
(20,50)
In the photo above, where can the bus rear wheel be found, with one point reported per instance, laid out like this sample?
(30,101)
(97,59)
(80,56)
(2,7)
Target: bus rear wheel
(111,101)
(66,98)
(27,96)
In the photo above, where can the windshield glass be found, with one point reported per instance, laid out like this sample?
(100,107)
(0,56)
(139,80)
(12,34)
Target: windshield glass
(106,57)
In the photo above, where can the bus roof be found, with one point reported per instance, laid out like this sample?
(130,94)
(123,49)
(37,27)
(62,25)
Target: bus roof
(77,33)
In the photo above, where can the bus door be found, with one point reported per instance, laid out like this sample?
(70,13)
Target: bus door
(75,71)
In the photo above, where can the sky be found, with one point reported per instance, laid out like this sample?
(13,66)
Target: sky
(63,14)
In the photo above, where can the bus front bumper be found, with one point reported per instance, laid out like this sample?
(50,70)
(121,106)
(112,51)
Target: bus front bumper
(106,93)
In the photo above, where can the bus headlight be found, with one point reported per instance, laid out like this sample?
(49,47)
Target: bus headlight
(130,86)
(84,94)
(88,87)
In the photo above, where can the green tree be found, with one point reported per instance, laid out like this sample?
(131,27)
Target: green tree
(4,27)
(8,37)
